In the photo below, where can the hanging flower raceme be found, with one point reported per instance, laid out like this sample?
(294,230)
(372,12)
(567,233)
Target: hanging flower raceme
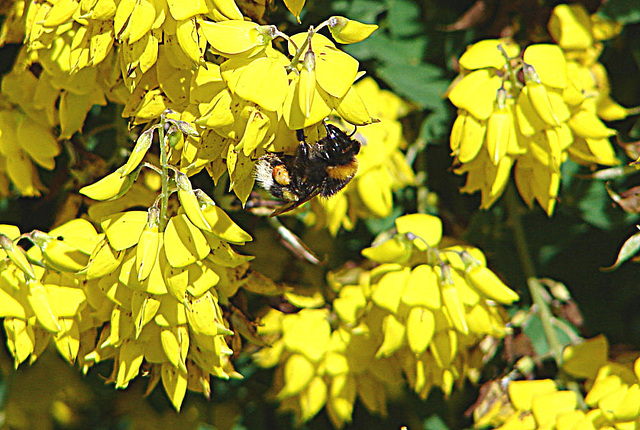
(534,123)
(153,56)
(421,313)
(138,53)
(161,279)
(150,292)
(612,400)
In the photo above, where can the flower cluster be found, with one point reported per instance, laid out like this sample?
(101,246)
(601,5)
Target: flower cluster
(149,290)
(146,280)
(202,60)
(382,169)
(612,401)
(420,314)
(533,109)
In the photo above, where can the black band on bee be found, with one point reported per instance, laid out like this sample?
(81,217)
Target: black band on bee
(322,168)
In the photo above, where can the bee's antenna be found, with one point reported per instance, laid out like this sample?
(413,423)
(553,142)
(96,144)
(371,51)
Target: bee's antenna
(355,128)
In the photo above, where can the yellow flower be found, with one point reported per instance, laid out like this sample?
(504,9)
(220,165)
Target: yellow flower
(612,401)
(321,82)
(536,124)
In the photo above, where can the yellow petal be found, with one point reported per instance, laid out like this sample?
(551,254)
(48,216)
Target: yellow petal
(185,9)
(174,382)
(394,250)
(570,26)
(347,31)
(476,93)
(485,281)
(587,125)
(498,134)
(352,108)
(228,9)
(529,121)
(547,407)
(335,70)
(549,62)
(293,115)
(298,372)
(521,393)
(264,82)
(66,300)
(375,192)
(444,347)
(295,7)
(601,388)
(307,332)
(387,292)
(349,306)
(471,137)
(484,53)
(455,308)
(313,399)
(628,407)
(610,110)
(232,37)
(223,226)
(422,288)
(307,87)
(38,142)
(420,329)
(184,243)
(123,229)
(584,359)
(394,332)
(61,12)
(39,301)
(427,229)
(67,341)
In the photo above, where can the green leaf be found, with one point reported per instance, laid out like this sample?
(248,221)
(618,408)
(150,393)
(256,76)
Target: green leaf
(591,200)
(361,10)
(422,84)
(623,11)
(403,18)
(378,225)
(535,332)
(628,250)
(381,47)
(436,124)
(434,422)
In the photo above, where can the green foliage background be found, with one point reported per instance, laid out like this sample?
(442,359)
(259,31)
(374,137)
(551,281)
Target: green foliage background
(414,54)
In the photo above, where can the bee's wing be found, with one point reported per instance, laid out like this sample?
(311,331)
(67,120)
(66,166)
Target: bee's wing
(292,205)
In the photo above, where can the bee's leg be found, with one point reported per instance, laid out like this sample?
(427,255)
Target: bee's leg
(300,136)
(302,153)
(300,160)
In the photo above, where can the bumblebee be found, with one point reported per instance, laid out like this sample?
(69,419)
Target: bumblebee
(322,168)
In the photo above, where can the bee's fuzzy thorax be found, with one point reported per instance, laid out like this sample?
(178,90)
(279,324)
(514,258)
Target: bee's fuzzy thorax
(322,168)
